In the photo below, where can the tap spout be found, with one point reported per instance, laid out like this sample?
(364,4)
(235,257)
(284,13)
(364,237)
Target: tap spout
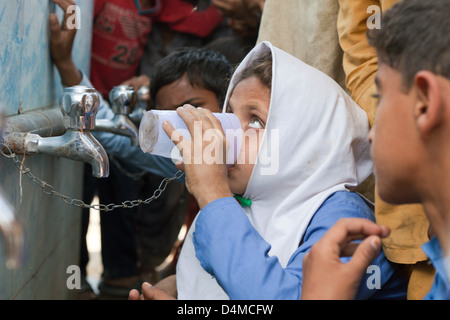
(123,99)
(79,106)
(74,145)
(78,146)
(140,109)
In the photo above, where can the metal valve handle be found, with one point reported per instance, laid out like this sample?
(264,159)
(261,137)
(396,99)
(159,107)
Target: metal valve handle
(79,105)
(143,91)
(123,99)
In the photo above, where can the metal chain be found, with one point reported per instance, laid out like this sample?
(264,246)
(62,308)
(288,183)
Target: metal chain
(49,190)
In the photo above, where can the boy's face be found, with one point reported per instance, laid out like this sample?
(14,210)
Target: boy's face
(393,138)
(181,92)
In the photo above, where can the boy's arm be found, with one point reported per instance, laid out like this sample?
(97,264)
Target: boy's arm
(61,44)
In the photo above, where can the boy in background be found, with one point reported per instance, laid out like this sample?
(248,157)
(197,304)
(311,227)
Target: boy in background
(121,30)
(409,146)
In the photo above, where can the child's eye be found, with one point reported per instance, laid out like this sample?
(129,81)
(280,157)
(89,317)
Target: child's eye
(255,123)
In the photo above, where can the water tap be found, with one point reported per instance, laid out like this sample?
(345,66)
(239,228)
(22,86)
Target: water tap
(141,107)
(122,99)
(79,106)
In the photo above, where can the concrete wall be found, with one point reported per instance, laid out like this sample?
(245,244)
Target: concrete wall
(28,82)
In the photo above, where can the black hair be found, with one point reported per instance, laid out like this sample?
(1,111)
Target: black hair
(415,36)
(233,47)
(205,68)
(192,2)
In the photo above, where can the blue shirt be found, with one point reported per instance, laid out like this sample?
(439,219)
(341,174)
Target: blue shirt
(441,287)
(231,250)
(120,146)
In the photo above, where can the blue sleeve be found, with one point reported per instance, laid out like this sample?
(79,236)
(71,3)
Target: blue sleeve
(121,148)
(230,249)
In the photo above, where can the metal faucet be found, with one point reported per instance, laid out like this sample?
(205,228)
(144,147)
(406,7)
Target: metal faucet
(122,99)
(79,106)
(141,107)
(9,226)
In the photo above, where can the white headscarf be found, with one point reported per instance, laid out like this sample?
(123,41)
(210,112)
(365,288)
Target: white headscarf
(323,148)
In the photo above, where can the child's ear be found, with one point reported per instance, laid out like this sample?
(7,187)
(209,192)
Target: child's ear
(428,110)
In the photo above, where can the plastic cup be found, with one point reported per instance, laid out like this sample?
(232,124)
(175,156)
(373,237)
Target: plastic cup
(154,140)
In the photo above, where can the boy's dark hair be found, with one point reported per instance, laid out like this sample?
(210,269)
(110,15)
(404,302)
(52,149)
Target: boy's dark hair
(193,2)
(415,36)
(234,48)
(205,68)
